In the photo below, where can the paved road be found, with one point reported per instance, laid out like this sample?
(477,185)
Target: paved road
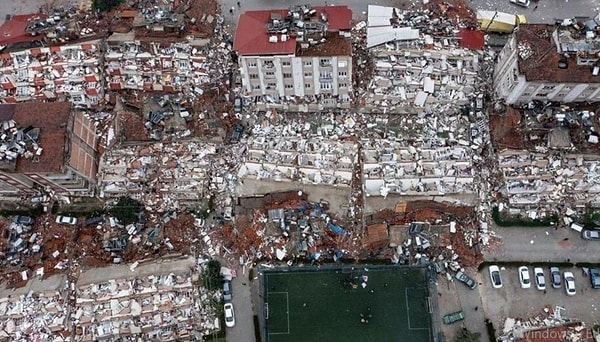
(543,244)
(470,302)
(244,313)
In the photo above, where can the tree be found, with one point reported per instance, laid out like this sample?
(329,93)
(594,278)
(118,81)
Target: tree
(211,277)
(465,335)
(126,210)
(105,5)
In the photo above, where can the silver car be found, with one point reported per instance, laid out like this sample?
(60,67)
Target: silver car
(590,235)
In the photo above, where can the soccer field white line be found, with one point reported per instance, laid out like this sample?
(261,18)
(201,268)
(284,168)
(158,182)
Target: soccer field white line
(287,312)
(408,311)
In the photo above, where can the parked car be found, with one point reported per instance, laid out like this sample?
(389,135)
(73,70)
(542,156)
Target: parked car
(555,277)
(522,3)
(94,220)
(495,276)
(66,220)
(24,220)
(595,278)
(238,104)
(237,133)
(453,317)
(229,315)
(540,280)
(569,283)
(227,290)
(524,278)
(590,234)
(464,278)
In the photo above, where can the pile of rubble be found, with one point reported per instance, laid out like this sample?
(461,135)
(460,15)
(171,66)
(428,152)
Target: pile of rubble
(278,153)
(168,307)
(35,315)
(161,175)
(549,324)
(53,73)
(555,163)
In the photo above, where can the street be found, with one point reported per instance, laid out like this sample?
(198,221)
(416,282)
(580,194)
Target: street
(531,244)
(243,331)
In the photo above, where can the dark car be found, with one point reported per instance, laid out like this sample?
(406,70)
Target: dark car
(237,133)
(555,277)
(90,221)
(238,104)
(227,291)
(591,234)
(464,278)
(595,278)
(25,220)
(453,317)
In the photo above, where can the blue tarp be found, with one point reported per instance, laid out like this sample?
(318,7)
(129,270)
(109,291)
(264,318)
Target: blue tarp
(336,229)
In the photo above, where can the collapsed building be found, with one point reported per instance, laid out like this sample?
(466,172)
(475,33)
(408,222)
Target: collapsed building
(557,63)
(162,175)
(275,153)
(55,153)
(419,63)
(56,73)
(298,59)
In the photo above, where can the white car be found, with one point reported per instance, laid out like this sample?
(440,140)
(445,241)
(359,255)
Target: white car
(522,3)
(495,276)
(524,277)
(569,283)
(229,315)
(66,220)
(540,280)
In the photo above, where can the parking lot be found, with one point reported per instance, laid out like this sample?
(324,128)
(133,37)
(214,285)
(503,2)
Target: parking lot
(513,301)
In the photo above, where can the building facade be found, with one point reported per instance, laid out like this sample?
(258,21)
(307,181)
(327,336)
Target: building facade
(303,53)
(550,63)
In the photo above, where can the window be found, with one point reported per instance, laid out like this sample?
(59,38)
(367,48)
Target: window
(268,64)
(526,94)
(307,85)
(286,64)
(325,74)
(325,86)
(567,87)
(271,85)
(548,87)
(342,73)
(307,63)
(252,64)
(256,87)
(342,64)
(325,62)
(270,73)
(253,76)
(289,86)
(308,74)
(343,85)
(287,75)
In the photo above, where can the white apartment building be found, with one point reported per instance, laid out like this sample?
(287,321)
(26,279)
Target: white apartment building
(550,63)
(301,53)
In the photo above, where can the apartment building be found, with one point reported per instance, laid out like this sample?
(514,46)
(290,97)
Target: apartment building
(304,53)
(46,147)
(558,63)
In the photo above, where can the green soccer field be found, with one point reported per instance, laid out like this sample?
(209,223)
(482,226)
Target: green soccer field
(330,305)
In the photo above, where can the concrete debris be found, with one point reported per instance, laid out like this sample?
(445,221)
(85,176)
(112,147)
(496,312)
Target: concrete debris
(57,73)
(549,322)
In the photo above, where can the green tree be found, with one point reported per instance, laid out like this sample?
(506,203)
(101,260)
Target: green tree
(105,5)
(211,277)
(465,335)
(126,210)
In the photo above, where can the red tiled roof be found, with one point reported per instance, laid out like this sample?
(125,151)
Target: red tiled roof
(87,46)
(8,85)
(115,86)
(55,48)
(90,78)
(13,30)
(10,99)
(471,39)
(35,51)
(91,91)
(252,38)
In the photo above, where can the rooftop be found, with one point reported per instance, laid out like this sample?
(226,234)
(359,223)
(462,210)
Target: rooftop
(51,119)
(14,31)
(539,59)
(275,32)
